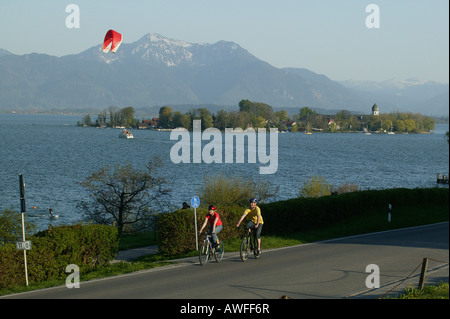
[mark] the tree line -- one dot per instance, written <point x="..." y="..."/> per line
<point x="112" y="117"/>
<point x="261" y="115"/>
<point x="250" y="114"/>
<point x="344" y="121"/>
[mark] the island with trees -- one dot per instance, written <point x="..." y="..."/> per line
<point x="261" y="115"/>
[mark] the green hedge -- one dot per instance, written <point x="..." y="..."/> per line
<point x="176" y="230"/>
<point x="302" y="214"/>
<point x="87" y="246"/>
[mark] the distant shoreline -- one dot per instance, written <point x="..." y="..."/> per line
<point x="443" y="120"/>
<point x="181" y="129"/>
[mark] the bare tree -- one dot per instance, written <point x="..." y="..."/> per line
<point x="124" y="195"/>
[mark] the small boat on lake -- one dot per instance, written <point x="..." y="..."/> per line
<point x="126" y="134"/>
<point x="308" y="129"/>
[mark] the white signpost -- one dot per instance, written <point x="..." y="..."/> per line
<point x="195" y="202"/>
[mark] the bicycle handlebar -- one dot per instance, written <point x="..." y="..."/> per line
<point x="207" y="234"/>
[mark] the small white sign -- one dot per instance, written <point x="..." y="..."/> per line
<point x="23" y="245"/>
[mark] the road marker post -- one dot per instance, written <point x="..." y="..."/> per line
<point x="423" y="273"/>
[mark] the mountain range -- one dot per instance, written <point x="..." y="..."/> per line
<point x="156" y="71"/>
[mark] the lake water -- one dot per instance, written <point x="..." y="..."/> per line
<point x="54" y="156"/>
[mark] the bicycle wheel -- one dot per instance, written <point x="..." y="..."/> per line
<point x="245" y="248"/>
<point x="204" y="254"/>
<point x="218" y="253"/>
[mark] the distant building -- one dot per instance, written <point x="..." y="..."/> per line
<point x="143" y="125"/>
<point x="147" y="123"/>
<point x="375" y="109"/>
<point x="289" y="124"/>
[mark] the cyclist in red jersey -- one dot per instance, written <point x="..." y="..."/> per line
<point x="215" y="224"/>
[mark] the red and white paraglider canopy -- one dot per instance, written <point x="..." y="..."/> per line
<point x="112" y="41"/>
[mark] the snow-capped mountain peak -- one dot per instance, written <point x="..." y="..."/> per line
<point x="152" y="48"/>
<point x="155" y="49"/>
<point x="158" y="39"/>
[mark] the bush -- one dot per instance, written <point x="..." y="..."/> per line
<point x="11" y="226"/>
<point x="87" y="246"/>
<point x="176" y="230"/>
<point x="228" y="191"/>
<point x="345" y="188"/>
<point x="315" y="187"/>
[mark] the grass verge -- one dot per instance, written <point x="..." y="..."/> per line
<point x="439" y="291"/>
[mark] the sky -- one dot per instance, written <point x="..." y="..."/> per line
<point x="339" y="38"/>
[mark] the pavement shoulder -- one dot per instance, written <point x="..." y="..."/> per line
<point x="131" y="254"/>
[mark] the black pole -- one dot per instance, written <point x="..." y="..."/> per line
<point x="22" y="194"/>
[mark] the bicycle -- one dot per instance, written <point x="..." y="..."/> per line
<point x="208" y="251"/>
<point x="249" y="243"/>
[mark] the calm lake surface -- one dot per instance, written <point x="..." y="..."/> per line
<point x="54" y="156"/>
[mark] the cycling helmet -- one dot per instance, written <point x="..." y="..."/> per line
<point x="253" y="200"/>
<point x="211" y="207"/>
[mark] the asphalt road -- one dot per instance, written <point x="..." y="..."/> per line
<point x="329" y="269"/>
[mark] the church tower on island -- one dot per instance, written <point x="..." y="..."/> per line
<point x="375" y="109"/>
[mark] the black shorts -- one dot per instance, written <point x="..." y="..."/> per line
<point x="252" y="225"/>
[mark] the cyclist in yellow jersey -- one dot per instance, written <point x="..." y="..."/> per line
<point x="256" y="221"/>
